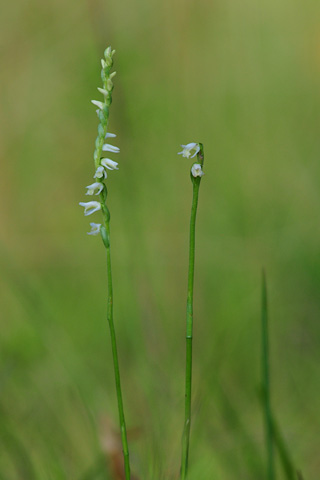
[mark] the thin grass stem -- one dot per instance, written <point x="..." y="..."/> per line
<point x="284" y="455"/>
<point x="266" y="383"/>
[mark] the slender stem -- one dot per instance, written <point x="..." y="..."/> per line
<point x="266" y="383"/>
<point x="103" y="114"/>
<point x="124" y="440"/>
<point x="284" y="454"/>
<point x="189" y="323"/>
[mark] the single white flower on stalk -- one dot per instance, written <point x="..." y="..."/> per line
<point x="98" y="104"/>
<point x="100" y="173"/>
<point x="90" y="207"/>
<point x="110" y="135"/>
<point x="95" y="188"/>
<point x="95" y="228"/>
<point x="110" y="148"/>
<point x="110" y="164"/>
<point x="186" y="152"/>
<point x="196" y="170"/>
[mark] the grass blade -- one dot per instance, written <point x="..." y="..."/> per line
<point x="266" y="383"/>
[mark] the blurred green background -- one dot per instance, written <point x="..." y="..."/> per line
<point x="244" y="79"/>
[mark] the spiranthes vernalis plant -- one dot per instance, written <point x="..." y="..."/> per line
<point x="191" y="150"/>
<point x="99" y="188"/>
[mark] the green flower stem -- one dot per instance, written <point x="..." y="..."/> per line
<point x="105" y="234"/>
<point x="106" y="240"/>
<point x="189" y="324"/>
<point x="266" y="383"/>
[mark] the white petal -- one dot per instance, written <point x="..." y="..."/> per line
<point x="103" y="91"/>
<point x="110" y="164"/>
<point x="95" y="228"/>
<point x="100" y="173"/>
<point x="197" y="151"/>
<point x="90" y="207"/>
<point x="98" y="104"/>
<point x="186" y="152"/>
<point x="110" y="148"/>
<point x="196" y="170"/>
<point x="110" y="135"/>
<point x="108" y="52"/>
<point x="94" y="188"/>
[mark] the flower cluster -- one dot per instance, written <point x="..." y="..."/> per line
<point x="102" y="164"/>
<point x="196" y="169"/>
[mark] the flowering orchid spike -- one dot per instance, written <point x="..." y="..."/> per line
<point x="110" y="148"/>
<point x="95" y="188"/>
<point x="186" y="152"/>
<point x="95" y="228"/>
<point x="110" y="135"/>
<point x="101" y="166"/>
<point x="110" y="164"/>
<point x="90" y="207"/>
<point x="100" y="173"/>
<point x="196" y="170"/>
<point x="98" y="104"/>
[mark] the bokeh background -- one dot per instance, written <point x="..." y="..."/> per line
<point x="244" y="79"/>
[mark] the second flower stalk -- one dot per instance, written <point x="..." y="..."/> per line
<point x="196" y="173"/>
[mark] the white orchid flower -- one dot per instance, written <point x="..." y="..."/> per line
<point x="90" y="207"/>
<point x="95" y="188"/>
<point x="186" y="152"/>
<point x="100" y="173"/>
<point x="103" y="91"/>
<point x="110" y="164"/>
<point x="108" y="53"/>
<point x="98" y="104"/>
<point x="196" y="170"/>
<point x="110" y="148"/>
<point x="95" y="228"/>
